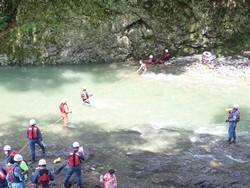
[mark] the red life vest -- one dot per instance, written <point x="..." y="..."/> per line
<point x="44" y="177"/>
<point x="12" y="177"/>
<point x="74" y="159"/>
<point x="32" y="132"/>
<point x="2" y="175"/>
<point x="62" y="109"/>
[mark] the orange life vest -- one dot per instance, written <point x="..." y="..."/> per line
<point x="44" y="177"/>
<point x="74" y="159"/>
<point x="32" y="132"/>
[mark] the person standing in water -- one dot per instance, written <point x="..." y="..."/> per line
<point x="233" y="119"/>
<point x="85" y="95"/>
<point x="109" y="179"/>
<point x="64" y="109"/>
<point x="144" y="64"/>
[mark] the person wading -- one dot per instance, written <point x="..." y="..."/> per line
<point x="42" y="176"/>
<point x="34" y="136"/>
<point x="233" y="119"/>
<point x="64" y="109"/>
<point x="85" y="95"/>
<point x="74" y="165"/>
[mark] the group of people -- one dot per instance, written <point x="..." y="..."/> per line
<point x="144" y="64"/>
<point x="15" y="170"/>
<point x="64" y="108"/>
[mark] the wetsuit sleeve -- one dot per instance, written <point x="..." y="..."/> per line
<point x="34" y="177"/>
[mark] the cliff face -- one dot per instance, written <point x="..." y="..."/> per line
<point x="82" y="31"/>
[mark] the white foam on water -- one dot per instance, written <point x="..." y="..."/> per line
<point x="211" y="129"/>
<point x="204" y="156"/>
<point x="237" y="160"/>
<point x="160" y="76"/>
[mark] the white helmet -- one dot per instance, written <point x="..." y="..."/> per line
<point x="32" y="122"/>
<point x="166" y="50"/>
<point x="18" y="158"/>
<point x="76" y="145"/>
<point x="7" y="148"/>
<point x="151" y="56"/>
<point x="42" y="162"/>
<point x="236" y="106"/>
<point x="64" y="100"/>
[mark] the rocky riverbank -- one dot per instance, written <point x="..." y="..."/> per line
<point x="230" y="67"/>
<point x="196" y="161"/>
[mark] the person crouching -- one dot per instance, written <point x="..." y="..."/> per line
<point x="42" y="176"/>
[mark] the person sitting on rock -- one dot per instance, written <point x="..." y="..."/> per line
<point x="166" y="56"/>
<point x="42" y="175"/>
<point x="145" y="63"/>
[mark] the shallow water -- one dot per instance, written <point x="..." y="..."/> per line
<point x="122" y="100"/>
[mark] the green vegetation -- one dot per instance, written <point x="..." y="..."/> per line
<point x="88" y="30"/>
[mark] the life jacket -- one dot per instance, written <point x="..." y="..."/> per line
<point x="62" y="108"/>
<point x="74" y="159"/>
<point x="43" y="177"/>
<point x="10" y="158"/>
<point x="32" y="132"/>
<point x="11" y="174"/>
<point x="2" y="175"/>
<point x="109" y="181"/>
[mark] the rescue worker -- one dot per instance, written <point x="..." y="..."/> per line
<point x="109" y="179"/>
<point x="9" y="154"/>
<point x="42" y="176"/>
<point x="164" y="57"/>
<point x="15" y="177"/>
<point x="233" y="119"/>
<point x="85" y="96"/>
<point x="35" y="137"/>
<point x="3" y="181"/>
<point x="64" y="109"/>
<point x="145" y="63"/>
<point x="10" y="160"/>
<point x="74" y="165"/>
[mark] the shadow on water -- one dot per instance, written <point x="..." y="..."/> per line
<point x="186" y="165"/>
<point x="40" y="78"/>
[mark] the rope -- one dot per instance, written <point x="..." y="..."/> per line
<point x="27" y="143"/>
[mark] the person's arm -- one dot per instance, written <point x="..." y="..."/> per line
<point x="18" y="173"/>
<point x="35" y="176"/>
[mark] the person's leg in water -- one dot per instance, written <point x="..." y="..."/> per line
<point x="65" y="119"/>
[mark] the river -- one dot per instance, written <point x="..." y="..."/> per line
<point x="130" y="116"/>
